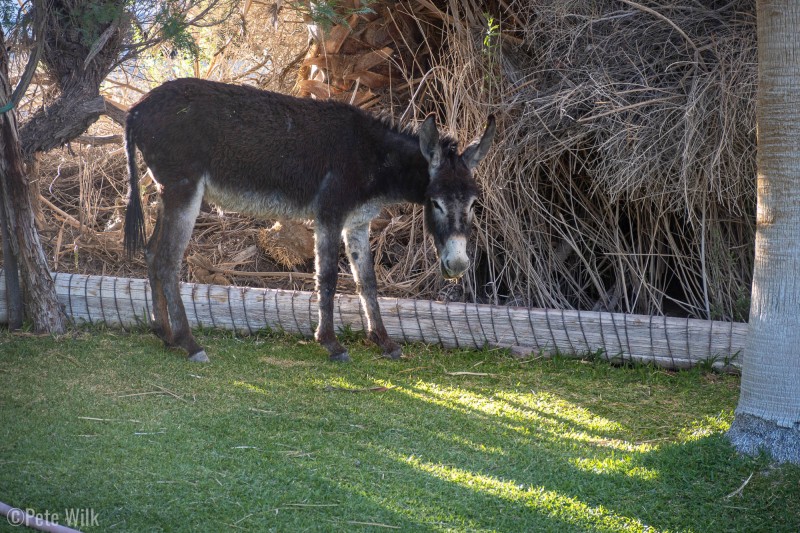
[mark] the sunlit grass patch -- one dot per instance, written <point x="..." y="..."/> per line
<point x="615" y="465"/>
<point x="466" y="443"/>
<point x="547" y="502"/>
<point x="707" y="426"/>
<point x="250" y="387"/>
<point x="544" y="413"/>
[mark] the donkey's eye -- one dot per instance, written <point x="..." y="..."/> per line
<point x="437" y="206"/>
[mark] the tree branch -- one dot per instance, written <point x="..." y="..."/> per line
<point x="115" y="111"/>
<point x="99" y="140"/>
<point x="66" y="118"/>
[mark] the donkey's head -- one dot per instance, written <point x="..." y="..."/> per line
<point x="451" y="193"/>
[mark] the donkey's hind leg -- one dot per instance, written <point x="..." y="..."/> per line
<point x="356" y="240"/>
<point x="160" y="323"/>
<point x="176" y="221"/>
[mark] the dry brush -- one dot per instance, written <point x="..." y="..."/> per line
<point x="622" y="178"/>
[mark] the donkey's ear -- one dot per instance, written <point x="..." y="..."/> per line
<point x="429" y="141"/>
<point x="476" y="151"/>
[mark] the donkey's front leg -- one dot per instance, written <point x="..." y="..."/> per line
<point x="327" y="239"/>
<point x="356" y="240"/>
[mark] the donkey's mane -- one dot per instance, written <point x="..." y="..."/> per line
<point x="409" y="131"/>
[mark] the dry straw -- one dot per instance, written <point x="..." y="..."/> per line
<point x="622" y="177"/>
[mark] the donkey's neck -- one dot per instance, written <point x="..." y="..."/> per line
<point x="402" y="173"/>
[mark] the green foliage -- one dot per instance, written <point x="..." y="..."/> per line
<point x="271" y="436"/>
<point x="84" y="19"/>
<point x="491" y="50"/>
<point x="741" y="307"/>
<point x="491" y="34"/>
<point x="740" y="311"/>
<point x="328" y="13"/>
<point x="91" y="18"/>
<point x="175" y="29"/>
<point x="346" y="334"/>
<point x="191" y="42"/>
<point x="9" y="13"/>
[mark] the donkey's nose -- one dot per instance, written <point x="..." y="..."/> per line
<point x="454" y="268"/>
<point x="454" y="258"/>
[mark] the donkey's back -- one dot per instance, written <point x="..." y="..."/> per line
<point x="256" y="151"/>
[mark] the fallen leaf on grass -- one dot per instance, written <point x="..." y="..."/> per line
<point x="331" y="388"/>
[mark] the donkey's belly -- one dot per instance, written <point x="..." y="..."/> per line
<point x="268" y="204"/>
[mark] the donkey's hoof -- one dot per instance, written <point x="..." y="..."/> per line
<point x="343" y="357"/>
<point x="200" y="357"/>
<point x="395" y="353"/>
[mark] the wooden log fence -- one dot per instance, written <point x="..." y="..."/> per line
<point x="664" y="341"/>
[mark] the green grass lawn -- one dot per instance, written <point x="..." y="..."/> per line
<point x="269" y="436"/>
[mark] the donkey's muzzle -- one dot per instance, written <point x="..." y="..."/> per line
<point x="454" y="260"/>
<point x="450" y="273"/>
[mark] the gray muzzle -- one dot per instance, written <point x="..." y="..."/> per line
<point x="454" y="259"/>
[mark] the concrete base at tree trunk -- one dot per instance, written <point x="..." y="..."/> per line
<point x="750" y="435"/>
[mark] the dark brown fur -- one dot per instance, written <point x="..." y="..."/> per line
<point x="269" y="154"/>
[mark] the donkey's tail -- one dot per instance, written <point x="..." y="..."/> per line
<point x="134" y="236"/>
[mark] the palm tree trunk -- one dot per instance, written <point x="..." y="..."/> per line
<point x="768" y="414"/>
<point x="369" y="58"/>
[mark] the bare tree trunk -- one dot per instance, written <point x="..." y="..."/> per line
<point x="41" y="301"/>
<point x="768" y="414"/>
<point x="13" y="291"/>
